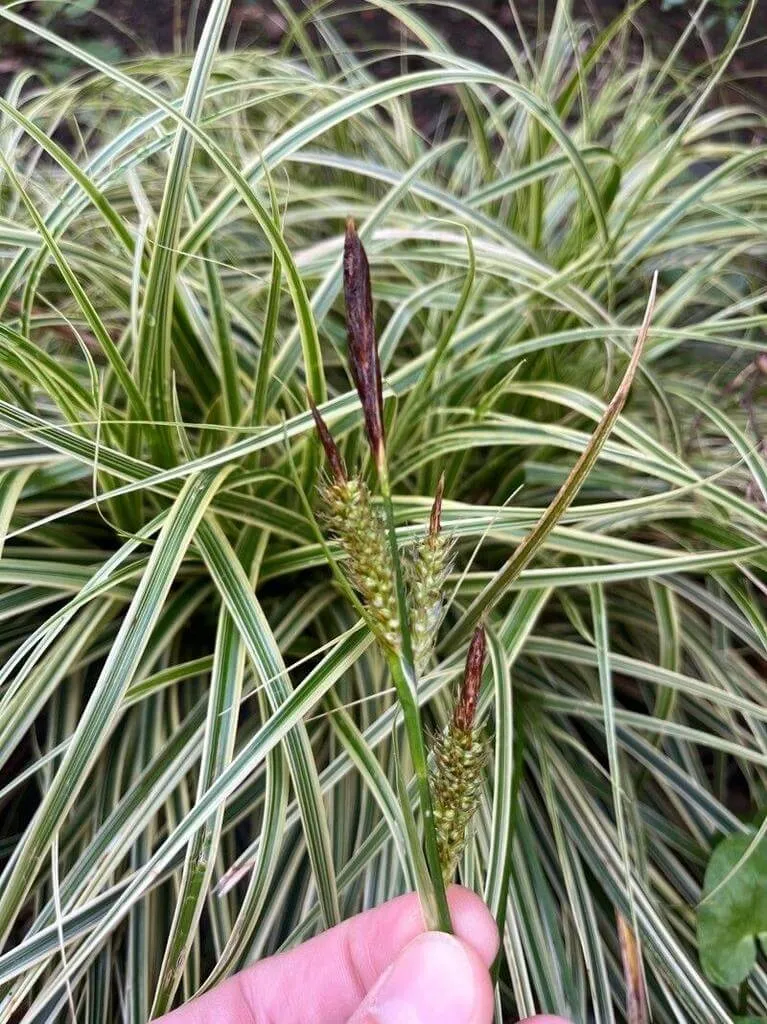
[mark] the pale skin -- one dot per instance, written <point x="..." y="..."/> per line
<point x="380" y="967"/>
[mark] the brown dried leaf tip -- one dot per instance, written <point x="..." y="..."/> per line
<point x="333" y="455"/>
<point x="466" y="705"/>
<point x="363" y="350"/>
<point x="636" y="997"/>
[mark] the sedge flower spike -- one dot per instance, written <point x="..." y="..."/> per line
<point x="460" y="754"/>
<point x="426" y="571"/>
<point x="363" y="350"/>
<point x="353" y="519"/>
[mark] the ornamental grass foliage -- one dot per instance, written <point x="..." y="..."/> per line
<point x="235" y="705"/>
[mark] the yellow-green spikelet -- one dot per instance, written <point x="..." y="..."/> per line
<point x="460" y="753"/>
<point x="426" y="571"/>
<point x="459" y="758"/>
<point x="354" y="521"/>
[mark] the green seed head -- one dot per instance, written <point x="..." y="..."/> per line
<point x="352" y="518"/>
<point x="460" y="754"/>
<point x="426" y="570"/>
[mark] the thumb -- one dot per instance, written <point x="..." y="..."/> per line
<point x="436" y="979"/>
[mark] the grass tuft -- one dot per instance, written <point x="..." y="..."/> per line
<point x="201" y="751"/>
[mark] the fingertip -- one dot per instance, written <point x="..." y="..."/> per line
<point x="436" y="979"/>
<point x="484" y="1010"/>
<point x="473" y="923"/>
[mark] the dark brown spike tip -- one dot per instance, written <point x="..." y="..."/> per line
<point x="435" y="520"/>
<point x="363" y="350"/>
<point x="332" y="453"/>
<point x="466" y="706"/>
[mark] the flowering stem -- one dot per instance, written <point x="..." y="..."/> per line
<point x="403" y="674"/>
<point x="365" y="366"/>
<point x="404" y="680"/>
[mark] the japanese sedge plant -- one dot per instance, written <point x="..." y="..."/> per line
<point x="199" y="727"/>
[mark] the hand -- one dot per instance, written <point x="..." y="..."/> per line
<point x="377" y="968"/>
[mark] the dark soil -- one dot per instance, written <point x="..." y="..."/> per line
<point x="134" y="26"/>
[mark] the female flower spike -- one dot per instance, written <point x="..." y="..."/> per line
<point x="460" y="752"/>
<point x="354" y="520"/>
<point x="426" y="572"/>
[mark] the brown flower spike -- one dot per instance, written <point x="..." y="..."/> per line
<point x="363" y="350"/>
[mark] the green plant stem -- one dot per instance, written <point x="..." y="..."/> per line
<point x="404" y="680"/>
<point x="403" y="673"/>
<point x="436" y="909"/>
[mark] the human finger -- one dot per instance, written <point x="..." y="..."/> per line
<point x="324" y="980"/>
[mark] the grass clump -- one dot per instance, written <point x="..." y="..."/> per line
<point x="198" y="727"/>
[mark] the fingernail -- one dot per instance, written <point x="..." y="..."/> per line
<point x="433" y="981"/>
